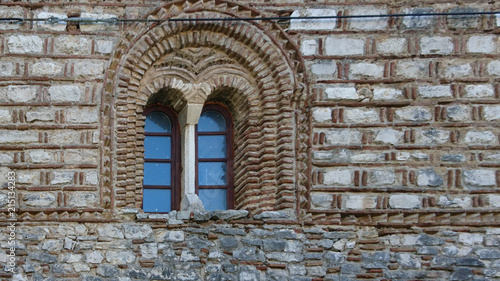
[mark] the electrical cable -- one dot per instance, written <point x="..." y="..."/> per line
<point x="117" y="20"/>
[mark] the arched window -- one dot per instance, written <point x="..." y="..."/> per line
<point x="214" y="158"/>
<point x="161" y="161"/>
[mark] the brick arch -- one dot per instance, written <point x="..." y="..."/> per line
<point x="266" y="75"/>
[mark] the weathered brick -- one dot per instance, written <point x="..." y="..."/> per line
<point x="343" y="137"/>
<point x="324" y="69"/>
<point x="456" y="202"/>
<point x="368" y="157"/>
<point x="11" y="12"/>
<point x="309" y="47"/>
<point x="313" y="24"/>
<point x="480" y="138"/>
<point x="429" y="177"/>
<point x="458" y="113"/>
<point x="456" y="69"/>
<point x="104" y="46"/>
<point x="432" y="136"/>
<point x="344" y="46"/>
<point x="63" y="177"/>
<point x="82" y="115"/>
<point x="41" y="114"/>
<point x="470" y="239"/>
<point x="368" y="24"/>
<point x="40" y="156"/>
<point x="28" y="177"/>
<point x="321" y="201"/>
<point x="359" y="201"/>
<point x="493" y="200"/>
<point x="418" y="22"/>
<point x="364" y="70"/>
<point x="51" y="25"/>
<point x="6" y="68"/>
<point x="436" y="45"/>
<point x="322" y="114"/>
<point x="18" y="93"/>
<point x="81" y="156"/>
<point x="342" y="93"/>
<point x="389" y="136"/>
<point x="338" y="177"/>
<point x="17" y="137"/>
<point x="392" y="46"/>
<point x="24" y="44"/>
<point x="45" y="199"/>
<point x="413" y="114"/>
<point x="98" y="26"/>
<point x="89" y="69"/>
<point x="361" y="115"/>
<point x="47" y="68"/>
<point x="484" y="44"/>
<point x="479" y="91"/>
<point x="412" y="69"/>
<point x="492" y="113"/>
<point x="463" y="21"/>
<point x="434" y="92"/>
<point x="92" y="177"/>
<point x="382" y="177"/>
<point x="71" y="44"/>
<point x="120" y="256"/>
<point x="66" y="137"/>
<point x="479" y="177"/>
<point x="5" y="116"/>
<point x="387" y="94"/>
<point x="64" y="93"/>
<point x="493" y="67"/>
<point x="81" y="199"/>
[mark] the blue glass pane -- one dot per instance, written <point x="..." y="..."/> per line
<point x="157" y="122"/>
<point x="211" y="173"/>
<point x="157" y="173"/>
<point x="212" y="146"/>
<point x="157" y="147"/>
<point x="211" y="121"/>
<point x="213" y="199"/>
<point x="157" y="200"/>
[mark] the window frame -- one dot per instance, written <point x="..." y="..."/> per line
<point x="175" y="158"/>
<point x="229" y="152"/>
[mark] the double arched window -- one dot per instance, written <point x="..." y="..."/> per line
<point x="162" y="161"/>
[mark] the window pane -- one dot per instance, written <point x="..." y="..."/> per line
<point x="211" y="121"/>
<point x="157" y="122"/>
<point x="157" y="173"/>
<point x="213" y="199"/>
<point x="212" y="146"/>
<point x="211" y="173"/>
<point x="157" y="200"/>
<point x="157" y="147"/>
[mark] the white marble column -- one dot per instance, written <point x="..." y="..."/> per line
<point x="188" y="119"/>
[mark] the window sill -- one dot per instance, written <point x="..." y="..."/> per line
<point x="184" y="217"/>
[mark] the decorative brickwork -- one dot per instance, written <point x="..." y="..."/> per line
<point x="244" y="66"/>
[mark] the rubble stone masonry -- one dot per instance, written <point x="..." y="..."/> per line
<point x="365" y="148"/>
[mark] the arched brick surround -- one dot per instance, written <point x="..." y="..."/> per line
<point x="254" y="68"/>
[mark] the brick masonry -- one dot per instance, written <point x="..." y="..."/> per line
<point x="365" y="148"/>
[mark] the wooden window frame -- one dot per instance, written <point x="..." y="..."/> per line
<point x="229" y="152"/>
<point x="175" y="159"/>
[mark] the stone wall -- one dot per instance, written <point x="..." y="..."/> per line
<point x="367" y="148"/>
<point x="267" y="247"/>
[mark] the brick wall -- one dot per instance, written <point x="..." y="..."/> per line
<point x="366" y="148"/>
